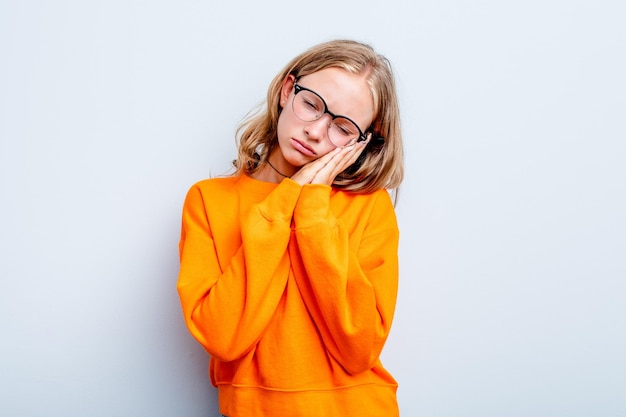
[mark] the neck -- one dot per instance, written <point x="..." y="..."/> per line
<point x="275" y="169"/>
<point x="272" y="170"/>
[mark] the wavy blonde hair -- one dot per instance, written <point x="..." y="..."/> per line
<point x="381" y="163"/>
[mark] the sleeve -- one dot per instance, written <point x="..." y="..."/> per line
<point x="351" y="283"/>
<point x="227" y="309"/>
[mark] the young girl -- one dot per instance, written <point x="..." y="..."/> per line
<point x="289" y="267"/>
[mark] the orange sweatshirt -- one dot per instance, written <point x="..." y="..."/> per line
<point x="291" y="289"/>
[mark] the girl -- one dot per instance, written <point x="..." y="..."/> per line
<point x="289" y="267"/>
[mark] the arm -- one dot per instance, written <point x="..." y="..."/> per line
<point x="228" y="306"/>
<point x="350" y="285"/>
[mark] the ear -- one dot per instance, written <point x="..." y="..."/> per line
<point x="286" y="89"/>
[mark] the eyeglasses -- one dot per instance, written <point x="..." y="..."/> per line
<point x="309" y="106"/>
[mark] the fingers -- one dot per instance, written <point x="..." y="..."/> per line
<point x="324" y="169"/>
<point x="306" y="174"/>
<point x="338" y="162"/>
<point x="349" y="155"/>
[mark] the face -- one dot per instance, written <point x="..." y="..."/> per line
<point x="344" y="93"/>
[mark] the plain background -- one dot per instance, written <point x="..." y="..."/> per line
<point x="512" y="215"/>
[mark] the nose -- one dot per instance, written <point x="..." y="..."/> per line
<point x="318" y="129"/>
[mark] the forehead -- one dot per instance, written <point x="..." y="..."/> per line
<point x="345" y="93"/>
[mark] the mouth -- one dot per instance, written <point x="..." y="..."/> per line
<point x="303" y="147"/>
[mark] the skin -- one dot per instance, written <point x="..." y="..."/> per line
<point x="305" y="153"/>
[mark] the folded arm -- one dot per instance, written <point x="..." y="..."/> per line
<point x="227" y="307"/>
<point x="350" y="285"/>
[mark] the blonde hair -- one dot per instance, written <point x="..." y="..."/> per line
<point x="381" y="163"/>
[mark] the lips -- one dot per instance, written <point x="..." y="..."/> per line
<point x="303" y="148"/>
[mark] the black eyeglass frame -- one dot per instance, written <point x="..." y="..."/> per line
<point x="298" y="88"/>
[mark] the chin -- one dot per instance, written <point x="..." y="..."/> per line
<point x="297" y="160"/>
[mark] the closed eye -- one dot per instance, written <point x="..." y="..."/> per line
<point x="345" y="127"/>
<point x="311" y="104"/>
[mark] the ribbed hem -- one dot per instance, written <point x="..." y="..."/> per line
<point x="370" y="400"/>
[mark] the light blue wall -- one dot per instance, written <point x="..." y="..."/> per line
<point x="512" y="213"/>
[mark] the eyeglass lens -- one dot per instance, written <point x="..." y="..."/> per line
<point x="309" y="107"/>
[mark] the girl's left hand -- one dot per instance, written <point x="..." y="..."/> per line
<point x="324" y="170"/>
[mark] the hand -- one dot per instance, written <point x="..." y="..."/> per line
<point x="324" y="170"/>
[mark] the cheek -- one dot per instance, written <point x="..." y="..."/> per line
<point x="327" y="147"/>
<point x="284" y="126"/>
<point x="289" y="126"/>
